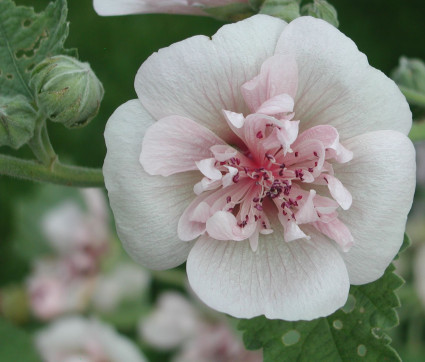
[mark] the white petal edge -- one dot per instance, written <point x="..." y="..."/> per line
<point x="146" y="208"/>
<point x="301" y="280"/>
<point x="199" y="77"/>
<point x="126" y="7"/>
<point x="381" y="180"/>
<point x="337" y="86"/>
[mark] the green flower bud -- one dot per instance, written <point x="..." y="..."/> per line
<point x="67" y="91"/>
<point x="321" y="9"/>
<point x="17" y="121"/>
<point x="410" y="74"/>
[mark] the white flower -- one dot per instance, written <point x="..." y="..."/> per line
<point x="123" y="7"/>
<point x="126" y="282"/>
<point x="275" y="160"/>
<point x="73" y="339"/>
<point x="81" y="237"/>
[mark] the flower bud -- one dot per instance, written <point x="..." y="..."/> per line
<point x="410" y="74"/>
<point x="287" y="10"/>
<point x="321" y="9"/>
<point x="17" y="121"/>
<point x="67" y="91"/>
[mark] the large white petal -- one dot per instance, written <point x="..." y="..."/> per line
<point x="199" y="77"/>
<point x="146" y="208"/>
<point x="381" y="179"/>
<point x="305" y="279"/>
<point x="337" y="86"/>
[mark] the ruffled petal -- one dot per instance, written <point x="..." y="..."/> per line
<point x="146" y="208"/>
<point x="290" y="281"/>
<point x="199" y="77"/>
<point x="381" y="179"/>
<point x="174" y="144"/>
<point x="278" y="75"/>
<point x="336" y="84"/>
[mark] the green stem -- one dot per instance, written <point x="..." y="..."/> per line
<point x="40" y="144"/>
<point x="413" y="97"/>
<point x="56" y="172"/>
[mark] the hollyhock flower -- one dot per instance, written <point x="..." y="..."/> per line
<point x="173" y="321"/>
<point x="80" y="237"/>
<point x="273" y="158"/>
<point x="124" y="7"/>
<point x="55" y="289"/>
<point x="176" y="323"/>
<point x="79" y="339"/>
<point x="125" y="282"/>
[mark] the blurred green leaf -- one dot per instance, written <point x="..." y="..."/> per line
<point x="16" y="344"/>
<point x="321" y="9"/>
<point x="230" y="12"/>
<point x="287" y="10"/>
<point x="353" y="333"/>
<point x="26" y="38"/>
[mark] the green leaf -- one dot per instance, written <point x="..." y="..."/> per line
<point x="287" y="10"/>
<point x="353" y="333"/>
<point x="16" y="345"/>
<point x="321" y="9"/>
<point x="17" y="121"/>
<point x="26" y="38"/>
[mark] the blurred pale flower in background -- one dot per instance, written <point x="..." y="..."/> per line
<point x="64" y="281"/>
<point x="176" y="323"/>
<point x="126" y="281"/>
<point x="80" y="237"/>
<point x="54" y="289"/>
<point x="75" y="339"/>
<point x="123" y="7"/>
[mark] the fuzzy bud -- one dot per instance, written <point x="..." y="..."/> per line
<point x="66" y="90"/>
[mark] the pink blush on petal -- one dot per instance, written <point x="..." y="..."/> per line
<point x="274" y="170"/>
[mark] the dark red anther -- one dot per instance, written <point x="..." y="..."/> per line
<point x="326" y="179"/>
<point x="258" y="207"/>
<point x="281" y="173"/>
<point x="296" y="154"/>
<point x="310" y="169"/>
<point x="238" y="161"/>
<point x="315" y="153"/>
<point x="259" y="134"/>
<point x="282" y="165"/>
<point x="235" y="178"/>
<point x="228" y="199"/>
<point x="255" y="199"/>
<point x="299" y="197"/>
<point x="255" y="217"/>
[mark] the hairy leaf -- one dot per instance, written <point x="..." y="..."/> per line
<point x="26" y="38"/>
<point x="353" y="333"/>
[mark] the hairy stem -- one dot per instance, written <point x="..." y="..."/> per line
<point x="55" y="172"/>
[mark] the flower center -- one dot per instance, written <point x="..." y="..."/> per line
<point x="273" y="169"/>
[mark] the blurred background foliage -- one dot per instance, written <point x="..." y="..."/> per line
<point x="116" y="46"/>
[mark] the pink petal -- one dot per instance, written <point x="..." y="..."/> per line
<point x="336" y="230"/>
<point x="281" y="103"/>
<point x="224" y="226"/>
<point x="278" y="75"/>
<point x="339" y="192"/>
<point x="207" y="167"/>
<point x="174" y="144"/>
